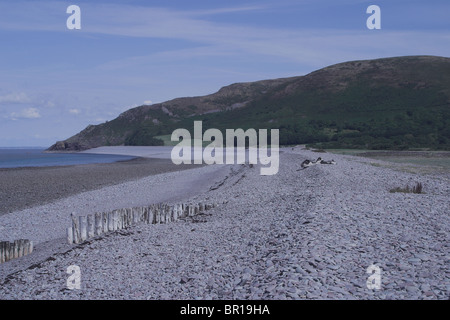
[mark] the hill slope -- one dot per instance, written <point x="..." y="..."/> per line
<point x="391" y="103"/>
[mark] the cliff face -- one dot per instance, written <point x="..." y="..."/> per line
<point x="372" y="100"/>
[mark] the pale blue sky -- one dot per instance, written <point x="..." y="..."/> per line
<point x="55" y="81"/>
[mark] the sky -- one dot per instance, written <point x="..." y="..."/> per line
<point x="55" y="81"/>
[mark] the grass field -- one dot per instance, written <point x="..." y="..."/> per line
<point x="421" y="161"/>
<point x="349" y="152"/>
<point x="413" y="161"/>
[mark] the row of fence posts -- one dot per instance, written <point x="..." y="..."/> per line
<point x="16" y="249"/>
<point x="86" y="227"/>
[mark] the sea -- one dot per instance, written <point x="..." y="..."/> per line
<point x="36" y="157"/>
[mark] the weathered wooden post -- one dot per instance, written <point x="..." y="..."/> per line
<point x="125" y="218"/>
<point x="70" y="235"/>
<point x="157" y="215"/>
<point x="119" y="220"/>
<point x="30" y="247"/>
<point x="165" y="213"/>
<point x="113" y="221"/>
<point x="20" y="248"/>
<point x="26" y="247"/>
<point x="98" y="223"/>
<point x="128" y="217"/>
<point x="110" y="221"/>
<point x="138" y="215"/>
<point x="162" y="211"/>
<point x="151" y="215"/>
<point x="8" y="248"/>
<point x="2" y="251"/>
<point x="16" y="249"/>
<point x="83" y="228"/>
<point x="105" y="222"/>
<point x="145" y="215"/>
<point x="170" y="210"/>
<point x="122" y="224"/>
<point x="90" y="226"/>
<point x="115" y="215"/>
<point x="134" y="215"/>
<point x="181" y="210"/>
<point x="75" y="229"/>
<point x="175" y="212"/>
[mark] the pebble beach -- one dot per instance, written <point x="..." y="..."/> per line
<point x="300" y="234"/>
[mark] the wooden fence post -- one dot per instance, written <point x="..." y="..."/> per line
<point x="90" y="226"/>
<point x="151" y="215"/>
<point x="70" y="235"/>
<point x="115" y="216"/>
<point x="98" y="223"/>
<point x="86" y="227"/>
<point x="2" y="251"/>
<point x="83" y="228"/>
<point x="75" y="229"/>
<point x="16" y="249"/>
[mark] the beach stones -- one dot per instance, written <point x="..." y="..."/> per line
<point x="255" y="245"/>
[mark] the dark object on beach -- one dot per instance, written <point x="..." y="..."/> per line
<point x="416" y="189"/>
<point x="308" y="163"/>
<point x="327" y="162"/>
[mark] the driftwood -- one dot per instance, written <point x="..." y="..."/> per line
<point x="308" y="163"/>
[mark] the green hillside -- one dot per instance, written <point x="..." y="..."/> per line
<point x="393" y="103"/>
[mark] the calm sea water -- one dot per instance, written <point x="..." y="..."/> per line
<point x="14" y="158"/>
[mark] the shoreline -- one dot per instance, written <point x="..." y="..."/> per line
<point x="26" y="187"/>
<point x="69" y="165"/>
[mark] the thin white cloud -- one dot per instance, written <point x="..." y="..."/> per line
<point x="228" y="10"/>
<point x="74" y="111"/>
<point x="28" y="113"/>
<point x="49" y="104"/>
<point x="16" y="97"/>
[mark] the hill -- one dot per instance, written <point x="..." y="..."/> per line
<point x="391" y="103"/>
